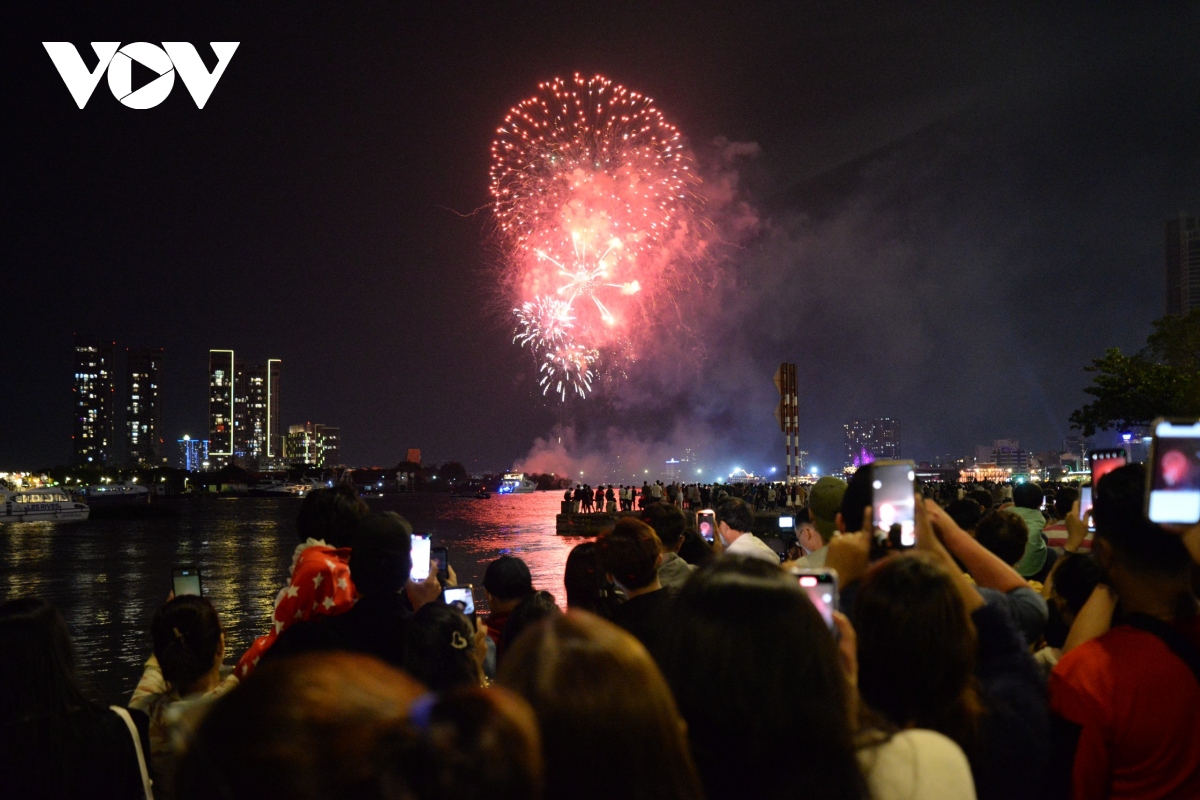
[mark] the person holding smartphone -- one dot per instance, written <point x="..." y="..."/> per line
<point x="735" y="521"/>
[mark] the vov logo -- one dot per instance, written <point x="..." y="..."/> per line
<point x="118" y="61"/>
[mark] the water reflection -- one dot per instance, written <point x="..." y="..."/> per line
<point x="108" y="577"/>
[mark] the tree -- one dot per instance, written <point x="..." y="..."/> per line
<point x="1163" y="380"/>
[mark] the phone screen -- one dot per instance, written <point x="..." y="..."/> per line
<point x="1105" y="461"/>
<point x="787" y="523"/>
<point x="892" y="501"/>
<point x="462" y="597"/>
<point x="420" y="557"/>
<point x="440" y="557"/>
<point x="821" y="587"/>
<point x="706" y="524"/>
<point x="1085" y="504"/>
<point x="1174" y="480"/>
<point x="185" y="580"/>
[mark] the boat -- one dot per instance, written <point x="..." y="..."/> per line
<point x="47" y="504"/>
<point x="516" y="483"/>
<point x="283" y="489"/>
<point x="114" y="494"/>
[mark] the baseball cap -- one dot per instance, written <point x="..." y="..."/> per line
<point x="824" y="503"/>
<point x="508" y="578"/>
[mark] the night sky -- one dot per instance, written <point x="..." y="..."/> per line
<point x="953" y="209"/>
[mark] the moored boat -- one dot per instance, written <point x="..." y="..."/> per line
<point x="516" y="483"/>
<point x="46" y="504"/>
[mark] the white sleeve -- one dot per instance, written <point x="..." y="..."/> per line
<point x="917" y="765"/>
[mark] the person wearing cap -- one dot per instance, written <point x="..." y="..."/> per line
<point x="824" y="504"/>
<point x="506" y="582"/>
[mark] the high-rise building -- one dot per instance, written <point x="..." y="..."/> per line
<point x="143" y="406"/>
<point x="193" y="454"/>
<point x="94" y="402"/>
<point x="870" y="440"/>
<point x="313" y="443"/>
<point x="243" y="410"/>
<point x="1183" y="263"/>
<point x="222" y="402"/>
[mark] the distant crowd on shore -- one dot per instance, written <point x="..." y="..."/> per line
<point x="611" y="498"/>
<point x="1012" y="653"/>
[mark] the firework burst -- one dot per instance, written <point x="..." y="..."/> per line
<point x="590" y="185"/>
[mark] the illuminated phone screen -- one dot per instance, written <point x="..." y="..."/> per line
<point x="420" y="558"/>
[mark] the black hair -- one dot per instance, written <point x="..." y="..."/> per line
<point x="695" y="550"/>
<point x="187" y="636"/>
<point x="1063" y="501"/>
<point x="1075" y="579"/>
<point x="331" y="515"/>
<point x="439" y="648"/>
<point x="966" y="513"/>
<point x="983" y="497"/>
<point x="630" y="553"/>
<point x="741" y="616"/>
<point x="1028" y="494"/>
<point x="857" y="497"/>
<point x="1004" y="534"/>
<point x="1118" y="511"/>
<point x="668" y="521"/>
<point x="381" y="560"/>
<point x="587" y="588"/>
<point x="735" y="513"/>
<point x="530" y="611"/>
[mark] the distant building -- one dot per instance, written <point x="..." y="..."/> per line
<point x="143" y="406"/>
<point x="673" y="469"/>
<point x="414" y="455"/>
<point x="193" y="454"/>
<point x="313" y="443"/>
<point x="94" y="392"/>
<point x="243" y="410"/>
<point x="870" y="440"/>
<point x="1004" y="454"/>
<point x="1183" y="263"/>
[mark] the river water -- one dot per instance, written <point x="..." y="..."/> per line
<point x="108" y="577"/>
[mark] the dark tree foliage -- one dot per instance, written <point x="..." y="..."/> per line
<point x="1163" y="380"/>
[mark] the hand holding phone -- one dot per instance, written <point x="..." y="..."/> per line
<point x="1105" y="461"/>
<point x="441" y="556"/>
<point x="1173" y="480"/>
<point x="1085" y="506"/>
<point x="821" y="586"/>
<point x="706" y="524"/>
<point x="463" y="598"/>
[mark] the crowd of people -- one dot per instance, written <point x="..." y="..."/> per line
<point x="1011" y="653"/>
<point x="584" y="499"/>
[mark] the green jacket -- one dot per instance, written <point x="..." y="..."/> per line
<point x="1035" y="549"/>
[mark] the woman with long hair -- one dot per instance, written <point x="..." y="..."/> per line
<point x="608" y="723"/>
<point x="54" y="741"/>
<point x="771" y="702"/>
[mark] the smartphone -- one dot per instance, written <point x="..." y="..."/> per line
<point x="1085" y="504"/>
<point x="463" y="597"/>
<point x="1105" y="461"/>
<point x="186" y="580"/>
<point x="441" y="557"/>
<point x="893" y="503"/>
<point x="706" y="524"/>
<point x="420" y="557"/>
<point x="1173" y="480"/>
<point x="821" y="586"/>
<point x="787" y="523"/>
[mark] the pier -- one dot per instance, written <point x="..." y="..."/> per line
<point x="566" y="523"/>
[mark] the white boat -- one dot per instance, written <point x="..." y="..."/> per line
<point x="516" y="483"/>
<point x="48" y="504"/>
<point x="282" y="489"/>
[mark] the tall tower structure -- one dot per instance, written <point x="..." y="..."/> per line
<point x="870" y="440"/>
<point x="94" y="396"/>
<point x="143" y="406"/>
<point x="1183" y="263"/>
<point x="222" y="402"/>
<point x="244" y="410"/>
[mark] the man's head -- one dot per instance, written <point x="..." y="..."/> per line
<point x="1066" y="497"/>
<point x="1126" y="542"/>
<point x="630" y="553"/>
<point x="855" y="500"/>
<point x="668" y="522"/>
<point x="1028" y="495"/>
<point x="734" y="518"/>
<point x="1071" y="583"/>
<point x="983" y="497"/>
<point x="824" y="503"/>
<point x="381" y="560"/>
<point x="1004" y="534"/>
<point x="966" y="513"/>
<point x="507" y="582"/>
<point x="331" y="515"/>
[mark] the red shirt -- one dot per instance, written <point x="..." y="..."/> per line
<point x="1138" y="707"/>
<point x="1056" y="534"/>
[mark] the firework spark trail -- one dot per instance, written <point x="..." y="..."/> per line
<point x="590" y="184"/>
